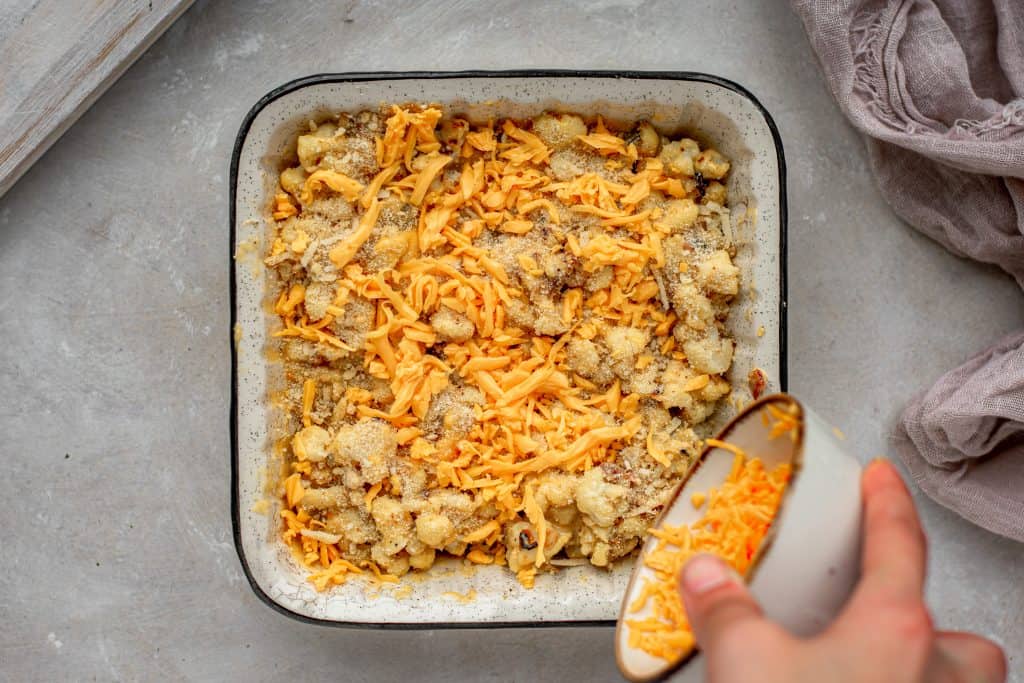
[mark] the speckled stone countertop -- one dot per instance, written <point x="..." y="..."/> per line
<point x="116" y="558"/>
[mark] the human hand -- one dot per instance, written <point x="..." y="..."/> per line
<point x="883" y="635"/>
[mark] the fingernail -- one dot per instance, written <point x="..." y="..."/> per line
<point x="880" y="467"/>
<point x="704" y="573"/>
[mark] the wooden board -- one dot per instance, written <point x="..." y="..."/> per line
<point x="57" y="57"/>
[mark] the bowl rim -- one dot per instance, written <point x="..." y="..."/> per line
<point x="369" y="76"/>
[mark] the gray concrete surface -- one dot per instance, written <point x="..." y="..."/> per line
<point x="116" y="558"/>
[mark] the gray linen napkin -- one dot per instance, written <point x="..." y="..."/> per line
<point x="937" y="88"/>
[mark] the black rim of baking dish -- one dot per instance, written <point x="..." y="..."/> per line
<point x="318" y="79"/>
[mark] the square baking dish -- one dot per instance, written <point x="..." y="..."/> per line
<point x="713" y="110"/>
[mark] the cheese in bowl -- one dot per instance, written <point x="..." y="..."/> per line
<point x="498" y="341"/>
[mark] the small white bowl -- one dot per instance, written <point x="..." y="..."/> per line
<point x="806" y="567"/>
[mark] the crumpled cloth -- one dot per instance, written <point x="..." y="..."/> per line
<point x="937" y="88"/>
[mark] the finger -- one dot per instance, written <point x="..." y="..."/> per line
<point x="715" y="598"/>
<point x="966" y="657"/>
<point x="894" y="554"/>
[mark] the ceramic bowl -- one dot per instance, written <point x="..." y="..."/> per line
<point x="719" y="112"/>
<point x="806" y="567"/>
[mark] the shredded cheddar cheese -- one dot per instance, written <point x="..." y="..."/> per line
<point x="283" y="207"/>
<point x="338" y="182"/>
<point x="470" y="335"/>
<point x="738" y="516"/>
<point x="308" y="396"/>
<point x="343" y="253"/>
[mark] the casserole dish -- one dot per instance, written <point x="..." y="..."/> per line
<point x="713" y="110"/>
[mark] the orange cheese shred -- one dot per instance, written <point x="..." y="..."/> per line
<point x="339" y="182"/>
<point x="346" y="250"/>
<point x="425" y="177"/>
<point x="308" y="396"/>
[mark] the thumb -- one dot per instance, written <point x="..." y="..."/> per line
<point x="716" y="599"/>
<point x="966" y="657"/>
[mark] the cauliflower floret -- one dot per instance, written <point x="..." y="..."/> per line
<point x="319" y="296"/>
<point x="352" y="156"/>
<point x="567" y="164"/>
<point x="600" y="500"/>
<point x="559" y="131"/>
<point x="303" y="351"/>
<point x="648" y="142"/>
<point x="554" y="489"/>
<point x="699" y="401"/>
<point x="628" y="536"/>
<point x="452" y="503"/>
<point x="711" y="164"/>
<point x="351" y="524"/>
<point x="555" y="266"/>
<point x="369" y="444"/>
<point x="674" y="380"/>
<point x="293" y="179"/>
<point x="389" y="250"/>
<point x="434" y="529"/>
<point x="717" y="274"/>
<point x="584" y="358"/>
<point x="325" y="498"/>
<point x="695" y="309"/>
<point x="642" y="381"/>
<point x="451" y="325"/>
<point x="715" y="389"/>
<point x="678" y="157"/>
<point x="460" y="416"/>
<point x="700" y="411"/>
<point x="711" y="355"/>
<point x="520" y="314"/>
<point x="394" y="524"/>
<point x="600" y="279"/>
<point x="423" y="560"/>
<point x="678" y="251"/>
<point x="715" y="192"/>
<point x="396" y="565"/>
<point x="680" y="214"/>
<point x="624" y="344"/>
<point x="413" y="485"/>
<point x="397" y="217"/>
<point x="548" y="318"/>
<point x="312" y="147"/>
<point x="380" y="390"/>
<point x="451" y="416"/>
<point x="356" y="320"/>
<point x="311" y="443"/>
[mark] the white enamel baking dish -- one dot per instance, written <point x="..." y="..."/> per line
<point x="719" y="112"/>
